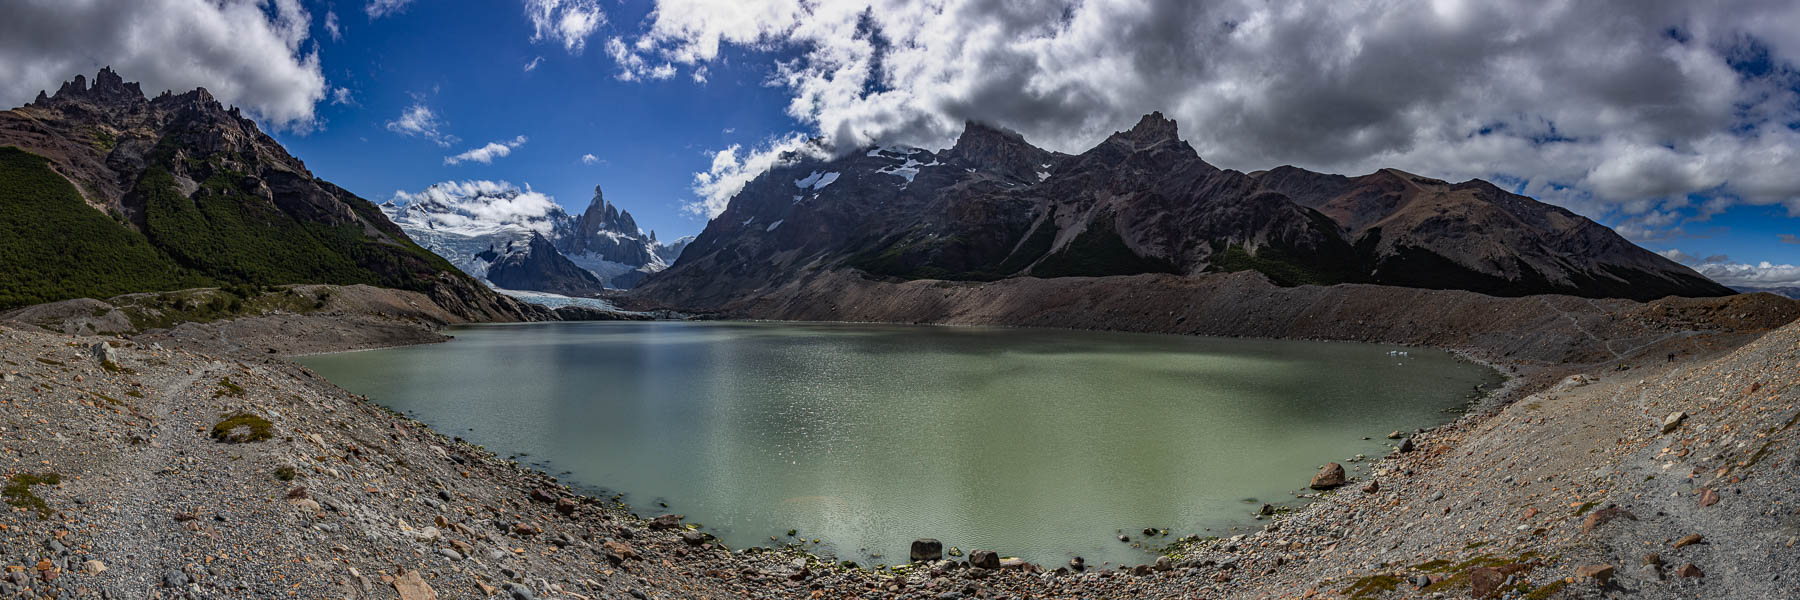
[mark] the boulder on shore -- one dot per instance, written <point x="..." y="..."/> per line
<point x="926" y="550"/>
<point x="1329" y="477"/>
<point x="984" y="559"/>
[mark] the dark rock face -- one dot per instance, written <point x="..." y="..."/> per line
<point x="538" y="266"/>
<point x="610" y="234"/>
<point x="224" y="200"/>
<point x="1142" y="201"/>
<point x="926" y="550"/>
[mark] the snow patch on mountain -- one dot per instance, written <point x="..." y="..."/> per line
<point x="817" y="180"/>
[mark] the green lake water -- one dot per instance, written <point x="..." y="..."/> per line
<point x="1042" y="444"/>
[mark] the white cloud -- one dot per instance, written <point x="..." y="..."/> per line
<point x="733" y="168"/>
<point x="1722" y="269"/>
<point x="477" y="206"/>
<point x="249" y="53"/>
<point x="381" y="8"/>
<point x="533" y="65"/>
<point x="419" y="121"/>
<point x="342" y="96"/>
<point x="1618" y="107"/>
<point x="486" y="154"/>
<point x="589" y="159"/>
<point x="568" y="22"/>
<point x="332" y="27"/>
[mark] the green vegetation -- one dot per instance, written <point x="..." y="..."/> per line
<point x="57" y="247"/>
<point x="239" y="238"/>
<point x="242" y="427"/>
<point x="1282" y="267"/>
<point x="1097" y="252"/>
<point x="1372" y="586"/>
<point x="18" y="492"/>
<point x="227" y="388"/>
<point x="285" y="473"/>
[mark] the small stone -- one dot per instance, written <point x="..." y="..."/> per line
<point x="174" y="579"/>
<point x="1603" y="516"/>
<point x="1077" y="563"/>
<point x="1406" y="445"/>
<point x="1708" y="497"/>
<point x="693" y="538"/>
<point x="93" y="567"/>
<point x="1600" y="573"/>
<point x="1328" y="477"/>
<point x="543" y="496"/>
<point x="985" y="559"/>
<point x="926" y="550"/>
<point x="1673" y="421"/>
<point x="450" y="554"/>
<point x="1164" y="563"/>
<point x="1653" y="560"/>
<point x="1372" y="487"/>
<point x="1483" y="581"/>
<point x="1688" y="540"/>
<point x="1123" y="538"/>
<point x="618" y="552"/>
<point x="1689" y="570"/>
<point x="1266" y="510"/>
<point x="565" y="506"/>
<point x="665" y="522"/>
<point x="1395" y="435"/>
<point x="307" y="505"/>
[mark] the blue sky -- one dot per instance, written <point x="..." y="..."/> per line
<point x="1676" y="123"/>
<point x="465" y="61"/>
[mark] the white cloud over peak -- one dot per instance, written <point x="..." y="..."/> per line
<point x="419" y="121"/>
<point x="270" y="70"/>
<point x="486" y="154"/>
<point x="476" y="207"/>
<point x="567" y="22"/>
<point x="1616" y="108"/>
<point x="734" y="167"/>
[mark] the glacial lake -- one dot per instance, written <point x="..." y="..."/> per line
<point x="1037" y="443"/>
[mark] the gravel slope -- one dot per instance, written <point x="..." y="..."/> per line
<point x="378" y="503"/>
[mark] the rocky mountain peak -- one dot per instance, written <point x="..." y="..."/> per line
<point x="998" y="150"/>
<point x="1154" y="127"/>
<point x="108" y="89"/>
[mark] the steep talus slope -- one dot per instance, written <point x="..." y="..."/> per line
<point x="1143" y="201"/>
<point x="214" y="199"/>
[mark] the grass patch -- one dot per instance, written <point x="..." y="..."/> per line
<point x="49" y="362"/>
<point x="1546" y="591"/>
<point x="18" y="492"/>
<point x="1372" y="586"/>
<point x="243" y="427"/>
<point x="285" y="473"/>
<point x="134" y="393"/>
<point x="228" y="388"/>
<point x="1585" y="506"/>
<point x="109" y="399"/>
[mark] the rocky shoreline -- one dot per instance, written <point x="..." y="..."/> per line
<point x="346" y="500"/>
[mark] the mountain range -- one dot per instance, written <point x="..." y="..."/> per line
<point x="106" y="191"/>
<point x="579" y="255"/>
<point x="1143" y="201"/>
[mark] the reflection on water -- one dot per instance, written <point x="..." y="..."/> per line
<point x="1037" y="443"/>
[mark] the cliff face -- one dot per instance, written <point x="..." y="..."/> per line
<point x="994" y="207"/>
<point x="217" y="200"/>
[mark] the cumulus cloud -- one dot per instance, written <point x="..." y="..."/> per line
<point x="419" y="121"/>
<point x="477" y="206"/>
<point x="1735" y="274"/>
<point x="381" y="8"/>
<point x="568" y="22"/>
<point x="1620" y="107"/>
<point x="486" y="154"/>
<point x="589" y="159"/>
<point x="269" y="70"/>
<point x="734" y="167"/>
